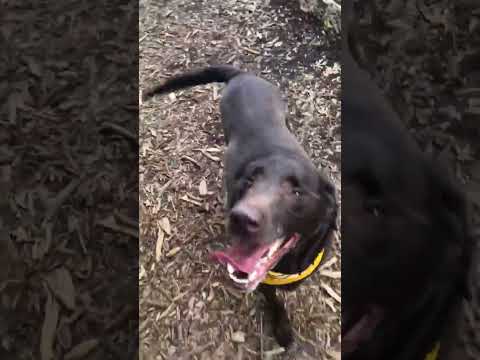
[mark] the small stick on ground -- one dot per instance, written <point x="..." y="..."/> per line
<point x="55" y="204"/>
<point x="120" y="130"/>
<point x="111" y="224"/>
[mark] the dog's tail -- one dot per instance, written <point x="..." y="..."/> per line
<point x="217" y="73"/>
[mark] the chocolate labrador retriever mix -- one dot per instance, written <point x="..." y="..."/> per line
<point x="405" y="243"/>
<point x="281" y="210"/>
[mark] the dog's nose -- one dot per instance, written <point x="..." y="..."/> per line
<point x="245" y="219"/>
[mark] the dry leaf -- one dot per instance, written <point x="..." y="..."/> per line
<point x="238" y="337"/>
<point x="202" y="188"/>
<point x="49" y="327"/>
<point x="61" y="284"/>
<point x="42" y="244"/>
<point x="335" y="355"/>
<point x="34" y="67"/>
<point x="142" y="273"/>
<point x="174" y="251"/>
<point x="81" y="350"/>
<point x="158" y="247"/>
<point x="64" y="334"/>
<point x="165" y="225"/>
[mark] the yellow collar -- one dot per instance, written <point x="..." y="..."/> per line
<point x="433" y="355"/>
<point x="276" y="278"/>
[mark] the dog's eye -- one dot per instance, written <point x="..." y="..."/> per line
<point x="297" y="192"/>
<point x="256" y="172"/>
<point x="293" y="182"/>
<point x="250" y="180"/>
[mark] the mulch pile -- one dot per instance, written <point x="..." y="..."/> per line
<point x="187" y="311"/>
<point x="69" y="197"/>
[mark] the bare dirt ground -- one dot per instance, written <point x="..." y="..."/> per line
<point x="186" y="312"/>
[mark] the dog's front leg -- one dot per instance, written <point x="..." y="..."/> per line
<point x="282" y="328"/>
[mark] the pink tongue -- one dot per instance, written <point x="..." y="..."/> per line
<point x="241" y="259"/>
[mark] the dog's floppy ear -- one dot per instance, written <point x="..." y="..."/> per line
<point x="446" y="192"/>
<point x="450" y="204"/>
<point x="326" y="186"/>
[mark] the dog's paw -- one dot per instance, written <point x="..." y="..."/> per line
<point x="297" y="352"/>
<point x="284" y="334"/>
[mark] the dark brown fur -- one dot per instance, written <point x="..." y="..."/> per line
<point x="405" y="242"/>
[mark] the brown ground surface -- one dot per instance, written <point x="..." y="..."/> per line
<point x="185" y="310"/>
<point x="68" y="195"/>
<point x="428" y="66"/>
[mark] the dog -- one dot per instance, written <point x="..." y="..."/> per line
<point x="282" y="211"/>
<point x="405" y="241"/>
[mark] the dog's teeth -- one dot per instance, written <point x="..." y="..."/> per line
<point x="271" y="251"/>
<point x="274" y="247"/>
<point x="237" y="280"/>
<point x="230" y="268"/>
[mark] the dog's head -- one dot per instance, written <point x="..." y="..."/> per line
<point x="403" y="229"/>
<point x="275" y="203"/>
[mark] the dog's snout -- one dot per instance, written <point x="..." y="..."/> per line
<point x="245" y="219"/>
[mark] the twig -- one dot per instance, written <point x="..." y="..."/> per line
<point x="331" y="274"/>
<point x="111" y="224"/>
<point x="165" y="313"/>
<point x="251" y="51"/>
<point x="332" y="293"/>
<point x="188" y="200"/>
<point x="164" y="187"/>
<point x="120" y="130"/>
<point x="125" y="219"/>
<point x="81" y="240"/>
<point x="54" y="204"/>
<point x="192" y="160"/>
<point x="155" y="303"/>
<point x="206" y="154"/>
<point x="204" y="285"/>
<point x="179" y="296"/>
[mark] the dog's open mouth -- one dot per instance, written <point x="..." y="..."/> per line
<point x="248" y="266"/>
